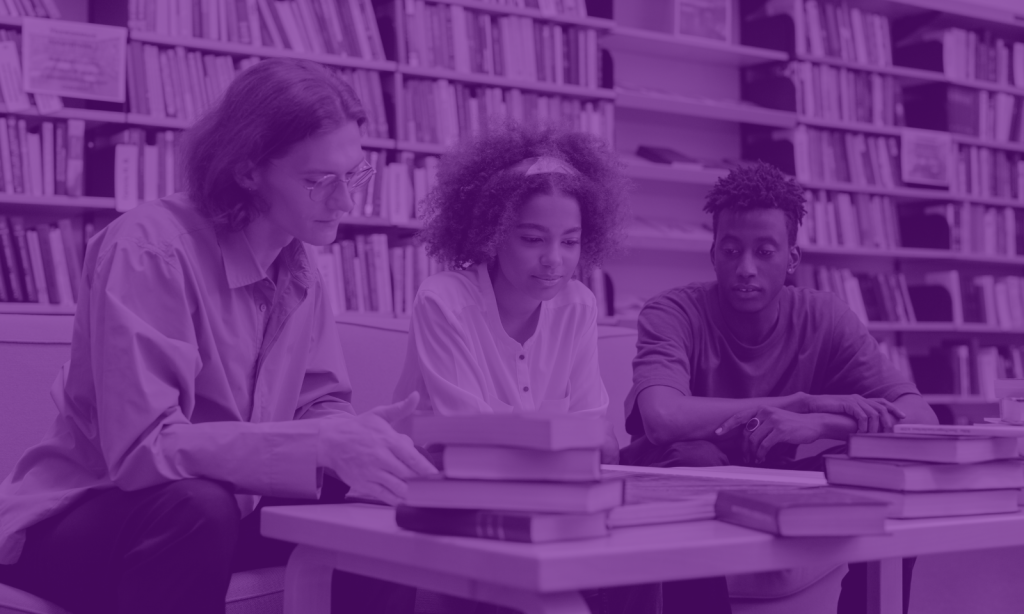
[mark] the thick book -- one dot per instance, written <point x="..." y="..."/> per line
<point x="502" y="525"/>
<point x="911" y="476"/>
<point x="538" y="431"/>
<point x="507" y="463"/>
<point x="942" y="503"/>
<point x="551" y="497"/>
<point x="933" y="449"/>
<point x="802" y="512"/>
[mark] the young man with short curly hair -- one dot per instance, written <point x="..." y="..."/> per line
<point x="741" y="370"/>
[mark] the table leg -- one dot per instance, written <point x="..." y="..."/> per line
<point x="885" y="586"/>
<point x="307" y="581"/>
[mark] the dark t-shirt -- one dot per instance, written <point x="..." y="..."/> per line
<point x="818" y="347"/>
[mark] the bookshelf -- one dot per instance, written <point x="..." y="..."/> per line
<point x="703" y="111"/>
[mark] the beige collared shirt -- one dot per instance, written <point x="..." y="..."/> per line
<point x="461" y="360"/>
<point x="186" y="361"/>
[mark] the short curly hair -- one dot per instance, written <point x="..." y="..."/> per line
<point x="476" y="202"/>
<point x="758" y="186"/>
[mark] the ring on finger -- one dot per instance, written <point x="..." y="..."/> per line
<point x="752" y="424"/>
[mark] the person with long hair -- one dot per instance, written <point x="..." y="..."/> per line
<point x="206" y="377"/>
<point x="516" y="214"/>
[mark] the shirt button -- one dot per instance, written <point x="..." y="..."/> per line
<point x="526" y="388"/>
<point x="522" y="357"/>
<point x="263" y="307"/>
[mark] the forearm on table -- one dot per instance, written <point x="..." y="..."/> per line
<point x="917" y="410"/>
<point x="669" y="415"/>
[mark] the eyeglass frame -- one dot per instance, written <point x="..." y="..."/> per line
<point x="363" y="175"/>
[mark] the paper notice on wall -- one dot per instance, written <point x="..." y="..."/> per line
<point x="75" y="59"/>
<point x="15" y="98"/>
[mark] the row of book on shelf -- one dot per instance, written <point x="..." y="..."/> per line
<point x="335" y="27"/>
<point x="837" y="156"/>
<point x="958" y="368"/>
<point x="179" y="83"/>
<point x="441" y="112"/>
<point x="364" y="274"/>
<point x="838" y="219"/>
<point x="46" y="9"/>
<point x="934" y="296"/>
<point x="517" y="477"/>
<point x="994" y="116"/>
<point x="842" y="94"/>
<point x="959" y="53"/>
<point x="41" y="263"/>
<point x="41" y="159"/>
<point x="845" y="31"/>
<point x="458" y="38"/>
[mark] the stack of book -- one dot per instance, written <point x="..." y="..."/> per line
<point x="513" y="477"/>
<point x="924" y="471"/>
<point x="537" y="478"/>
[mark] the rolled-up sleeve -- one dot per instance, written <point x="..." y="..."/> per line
<point x="146" y="358"/>
<point x="662" y="355"/>
<point x="452" y="374"/>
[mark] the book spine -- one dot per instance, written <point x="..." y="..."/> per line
<point x="472" y="523"/>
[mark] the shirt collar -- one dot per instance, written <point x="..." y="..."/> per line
<point x="242" y="269"/>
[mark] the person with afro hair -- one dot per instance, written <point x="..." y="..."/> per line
<point x="742" y="369"/>
<point x="516" y="214"/>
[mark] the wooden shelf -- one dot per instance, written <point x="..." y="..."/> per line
<point x="89" y="115"/>
<point x="914" y="74"/>
<point x="650" y="171"/>
<point x="645" y="241"/>
<point x="69" y="202"/>
<point x="911" y="253"/>
<point x="834" y="124"/>
<point x="370" y="222"/>
<point x="238" y="49"/>
<point x="690" y="48"/>
<point x="504" y="82"/>
<point x="959" y="139"/>
<point x="423" y="148"/>
<point x="151" y="121"/>
<point x="36" y="309"/>
<point x="723" y="110"/>
<point x="906" y="193"/>
<point x="488" y="7"/>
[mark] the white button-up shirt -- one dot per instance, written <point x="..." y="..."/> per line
<point x="462" y="361"/>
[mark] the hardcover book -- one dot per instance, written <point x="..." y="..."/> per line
<point x="915" y="476"/>
<point x="802" y="512"/>
<point x="932" y="446"/>
<point x="502" y="525"/>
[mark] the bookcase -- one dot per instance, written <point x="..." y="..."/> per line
<point x="828" y="90"/>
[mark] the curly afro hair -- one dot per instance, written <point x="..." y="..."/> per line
<point x="477" y="200"/>
<point x="758" y="186"/>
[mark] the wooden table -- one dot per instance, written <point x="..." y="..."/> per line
<point x="547" y="578"/>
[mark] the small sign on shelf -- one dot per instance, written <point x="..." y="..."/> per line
<point x="926" y="157"/>
<point x="712" y="19"/>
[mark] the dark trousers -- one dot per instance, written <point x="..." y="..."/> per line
<point x="642" y="453"/>
<point x="168" y="549"/>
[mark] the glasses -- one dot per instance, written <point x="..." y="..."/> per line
<point x="326" y="187"/>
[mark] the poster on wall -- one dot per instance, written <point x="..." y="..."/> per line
<point x="926" y="157"/>
<point x="704" y="18"/>
<point x="74" y="59"/>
